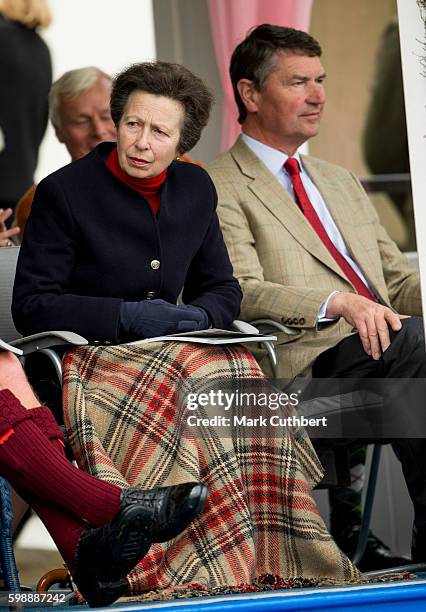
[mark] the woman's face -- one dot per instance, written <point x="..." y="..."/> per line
<point x="148" y="134"/>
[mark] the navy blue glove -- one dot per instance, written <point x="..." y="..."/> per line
<point x="151" y="318"/>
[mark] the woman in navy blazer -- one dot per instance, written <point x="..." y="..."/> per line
<point x="128" y="227"/>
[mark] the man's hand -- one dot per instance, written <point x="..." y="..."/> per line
<point x="6" y="234"/>
<point x="372" y="320"/>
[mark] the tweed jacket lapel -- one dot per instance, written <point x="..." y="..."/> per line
<point x="276" y="199"/>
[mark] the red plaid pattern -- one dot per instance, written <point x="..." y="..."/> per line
<point x="124" y="424"/>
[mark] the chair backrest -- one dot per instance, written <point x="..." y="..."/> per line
<point x="8" y="259"/>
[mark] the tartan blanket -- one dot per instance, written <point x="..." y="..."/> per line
<point x="124" y="420"/>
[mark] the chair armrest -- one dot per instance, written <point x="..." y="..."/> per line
<point x="4" y="346"/>
<point x="249" y="328"/>
<point x="245" y="328"/>
<point x="44" y="340"/>
<point x="264" y="324"/>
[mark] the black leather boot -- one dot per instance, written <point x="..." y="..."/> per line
<point x="106" y="554"/>
<point x="173" y="507"/>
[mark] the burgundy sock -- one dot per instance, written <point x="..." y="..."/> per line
<point x="64" y="529"/>
<point x="46" y="422"/>
<point x="43" y="472"/>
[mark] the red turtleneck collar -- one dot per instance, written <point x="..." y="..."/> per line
<point x="147" y="187"/>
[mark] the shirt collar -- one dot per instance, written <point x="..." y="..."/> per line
<point x="273" y="159"/>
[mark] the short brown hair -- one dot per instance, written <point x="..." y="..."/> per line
<point x="171" y="81"/>
<point x="254" y="58"/>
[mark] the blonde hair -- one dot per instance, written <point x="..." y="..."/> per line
<point x="31" y="13"/>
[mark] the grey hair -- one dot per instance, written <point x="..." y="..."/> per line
<point x="70" y="85"/>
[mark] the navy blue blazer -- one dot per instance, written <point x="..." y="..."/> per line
<point x="91" y="242"/>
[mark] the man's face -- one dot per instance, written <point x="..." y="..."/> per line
<point x="86" y="120"/>
<point x="287" y="111"/>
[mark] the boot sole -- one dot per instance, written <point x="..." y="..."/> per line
<point x="129" y="541"/>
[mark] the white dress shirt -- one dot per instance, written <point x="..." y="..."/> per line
<point x="274" y="160"/>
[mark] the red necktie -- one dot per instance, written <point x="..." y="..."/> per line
<point x="292" y="167"/>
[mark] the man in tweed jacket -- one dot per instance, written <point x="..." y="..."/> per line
<point x="285" y="270"/>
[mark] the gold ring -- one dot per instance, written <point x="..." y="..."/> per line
<point x="9" y="243"/>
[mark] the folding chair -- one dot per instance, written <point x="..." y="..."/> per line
<point x="44" y="343"/>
